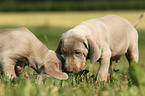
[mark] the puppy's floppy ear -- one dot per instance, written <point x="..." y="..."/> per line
<point x="51" y="69"/>
<point x="94" y="51"/>
<point x="58" y="50"/>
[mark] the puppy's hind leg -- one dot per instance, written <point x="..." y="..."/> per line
<point x="132" y="53"/>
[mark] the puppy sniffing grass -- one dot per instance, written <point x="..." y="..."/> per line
<point x="19" y="47"/>
<point x="102" y="40"/>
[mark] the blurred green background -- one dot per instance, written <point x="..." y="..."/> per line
<point x="70" y="5"/>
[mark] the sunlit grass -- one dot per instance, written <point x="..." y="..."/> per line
<point x="62" y="19"/>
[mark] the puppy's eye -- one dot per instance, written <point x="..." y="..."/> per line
<point x="77" y="52"/>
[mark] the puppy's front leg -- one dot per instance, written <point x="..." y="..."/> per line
<point x="104" y="65"/>
<point x="8" y="67"/>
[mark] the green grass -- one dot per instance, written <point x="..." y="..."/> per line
<point x="85" y="85"/>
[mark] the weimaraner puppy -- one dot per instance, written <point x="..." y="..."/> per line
<point x="103" y="39"/>
<point x="19" y="47"/>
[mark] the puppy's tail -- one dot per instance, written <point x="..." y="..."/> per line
<point x="138" y="20"/>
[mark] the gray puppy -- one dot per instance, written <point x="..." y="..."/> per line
<point x="103" y="39"/>
<point x="19" y="47"/>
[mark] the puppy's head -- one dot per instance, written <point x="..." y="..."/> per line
<point x="76" y="49"/>
<point x="53" y="66"/>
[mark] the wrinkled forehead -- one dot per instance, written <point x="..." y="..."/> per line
<point x="73" y="43"/>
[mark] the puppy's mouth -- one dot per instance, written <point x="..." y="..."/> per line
<point x="71" y="71"/>
<point x="66" y="71"/>
<point x="85" y="71"/>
